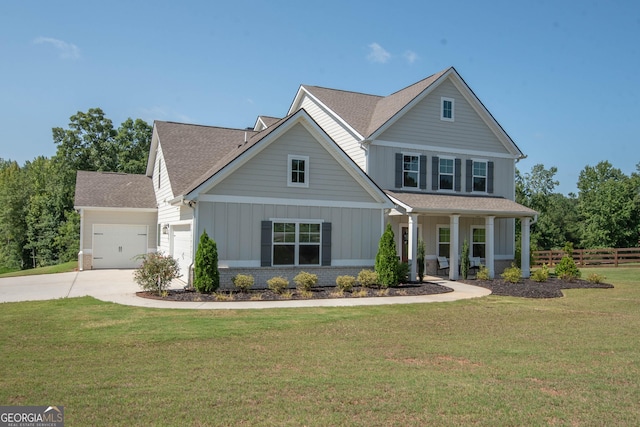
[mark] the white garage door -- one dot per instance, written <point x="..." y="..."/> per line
<point x="117" y="245"/>
<point x="181" y="248"/>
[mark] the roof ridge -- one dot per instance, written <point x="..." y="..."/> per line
<point x="344" y="90"/>
<point x="206" y="126"/>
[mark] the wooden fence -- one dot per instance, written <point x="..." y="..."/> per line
<point x="590" y="257"/>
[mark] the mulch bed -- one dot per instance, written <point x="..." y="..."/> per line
<point x="527" y="288"/>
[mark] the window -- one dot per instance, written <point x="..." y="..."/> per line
<point x="298" y="171"/>
<point x="410" y="171"/>
<point x="446" y="174"/>
<point x="479" y="176"/>
<point x="444" y="241"/>
<point x="478" y="241"/>
<point x="447" y="112"/>
<point x="296" y="243"/>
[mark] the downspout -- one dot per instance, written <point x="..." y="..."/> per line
<point x="194" y="207"/>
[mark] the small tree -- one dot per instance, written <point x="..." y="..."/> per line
<point x="421" y="254"/>
<point x="567" y="268"/>
<point x="464" y="260"/>
<point x="156" y="272"/>
<point x="387" y="259"/>
<point x="206" y="277"/>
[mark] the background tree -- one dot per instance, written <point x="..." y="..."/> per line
<point x="132" y="142"/>
<point x="13" y="227"/>
<point x="609" y="207"/>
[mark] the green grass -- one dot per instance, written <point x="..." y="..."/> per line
<point x="60" y="268"/>
<point x="489" y="361"/>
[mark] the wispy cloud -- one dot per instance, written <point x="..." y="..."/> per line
<point x="65" y="50"/>
<point x="378" y="54"/>
<point x="410" y="56"/>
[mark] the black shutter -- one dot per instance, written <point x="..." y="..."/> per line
<point x="435" y="171"/>
<point x="398" y="170"/>
<point x="326" y="243"/>
<point x="265" y="244"/>
<point x="490" y="177"/>
<point x="423" y="172"/>
<point x="469" y="176"/>
<point x="457" y="172"/>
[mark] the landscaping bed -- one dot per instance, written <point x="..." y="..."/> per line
<point x="527" y="288"/>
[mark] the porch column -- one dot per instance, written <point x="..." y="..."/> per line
<point x="526" y="248"/>
<point x="489" y="254"/>
<point x="413" y="246"/>
<point x="454" y="227"/>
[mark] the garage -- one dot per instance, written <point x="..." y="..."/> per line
<point x="118" y="245"/>
<point x="181" y="248"/>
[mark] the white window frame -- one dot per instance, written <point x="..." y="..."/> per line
<point x="417" y="171"/>
<point x="453" y="173"/>
<point x="474" y="176"/>
<point x="471" y="251"/>
<point x="442" y="109"/>
<point x="297" y="243"/>
<point x="438" y="242"/>
<point x="290" y="182"/>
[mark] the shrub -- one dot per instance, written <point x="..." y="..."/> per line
<point x="595" y="278"/>
<point x="345" y="283"/>
<point x="206" y="277"/>
<point x="512" y="274"/>
<point x="541" y="274"/>
<point x="368" y="278"/>
<point x="278" y="284"/>
<point x="404" y="268"/>
<point x="483" y="273"/>
<point x="243" y="282"/>
<point x="420" y="258"/>
<point x="464" y="260"/>
<point x="567" y="268"/>
<point x="305" y="281"/>
<point x="387" y="259"/>
<point x="156" y="272"/>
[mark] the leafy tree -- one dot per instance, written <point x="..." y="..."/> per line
<point x="13" y="203"/>
<point x="206" y="277"/>
<point x="609" y="207"/>
<point x="132" y="142"/>
<point x="386" y="264"/>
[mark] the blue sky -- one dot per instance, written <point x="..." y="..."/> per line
<point x="562" y="77"/>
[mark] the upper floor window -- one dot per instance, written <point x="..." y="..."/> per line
<point x="410" y="171"/>
<point x="296" y="243"/>
<point x="447" y="109"/>
<point x="298" y="171"/>
<point x="479" y="176"/>
<point x="446" y="174"/>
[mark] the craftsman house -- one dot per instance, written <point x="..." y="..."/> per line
<point x="314" y="190"/>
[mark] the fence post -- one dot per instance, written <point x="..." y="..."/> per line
<point x="615" y="256"/>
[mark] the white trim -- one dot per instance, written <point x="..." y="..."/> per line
<point x="444" y="99"/>
<point x="307" y="170"/>
<point x="297" y="244"/>
<point x="436" y="149"/>
<point x="96" y="208"/>
<point x="291" y="202"/>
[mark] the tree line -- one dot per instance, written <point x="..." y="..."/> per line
<point x="38" y="225"/>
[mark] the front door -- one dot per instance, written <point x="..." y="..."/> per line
<point x="405" y="244"/>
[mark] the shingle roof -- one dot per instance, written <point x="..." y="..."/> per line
<point x="191" y="150"/>
<point x="461" y="204"/>
<point x="366" y="113"/>
<point x="114" y="190"/>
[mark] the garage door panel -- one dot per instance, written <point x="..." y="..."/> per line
<point x="119" y="246"/>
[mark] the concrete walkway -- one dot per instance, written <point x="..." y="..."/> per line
<point x="118" y="286"/>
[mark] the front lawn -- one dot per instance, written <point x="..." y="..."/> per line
<point x="489" y="361"/>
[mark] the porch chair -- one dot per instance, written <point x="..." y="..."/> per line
<point x="443" y="264"/>
<point x="475" y="263"/>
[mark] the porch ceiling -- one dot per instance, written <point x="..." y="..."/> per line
<point x="445" y="204"/>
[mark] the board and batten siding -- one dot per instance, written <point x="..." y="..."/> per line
<point x="422" y="125"/>
<point x="92" y="217"/>
<point x="343" y="137"/>
<point x="265" y="175"/>
<point x="236" y="229"/>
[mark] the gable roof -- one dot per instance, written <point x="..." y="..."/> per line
<point x="114" y="190"/>
<point x="190" y="150"/>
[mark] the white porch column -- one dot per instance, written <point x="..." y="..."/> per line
<point x="526" y="247"/>
<point x="454" y="227"/>
<point x="413" y="246"/>
<point x="489" y="245"/>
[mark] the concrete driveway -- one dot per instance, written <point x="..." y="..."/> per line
<point x="118" y="286"/>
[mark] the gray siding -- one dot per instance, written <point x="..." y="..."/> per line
<point x="236" y="228"/>
<point x="266" y="174"/>
<point x="422" y="125"/>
